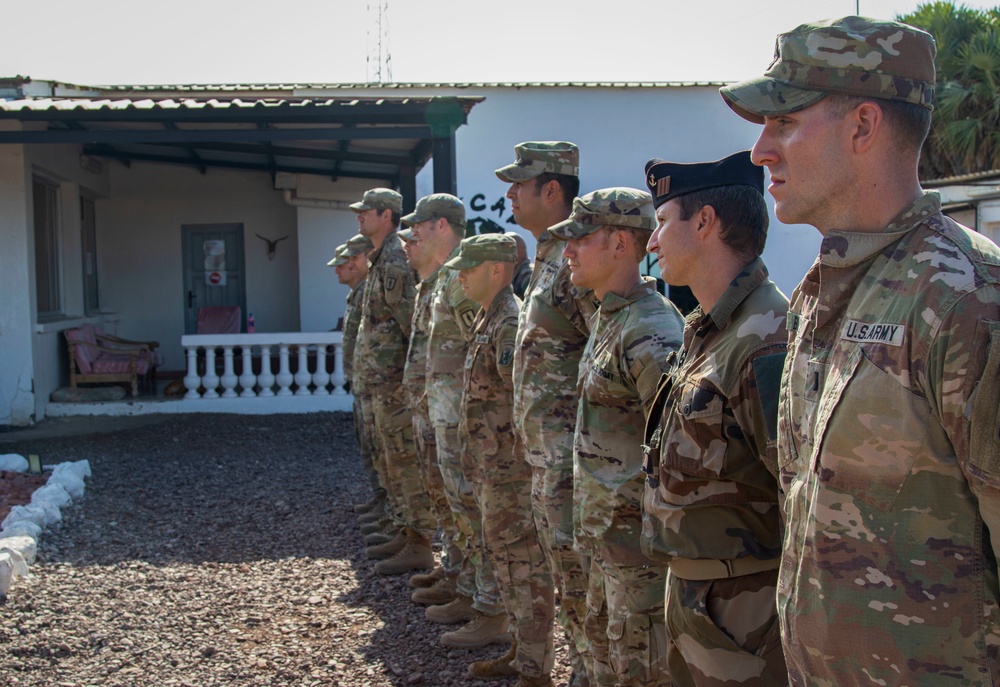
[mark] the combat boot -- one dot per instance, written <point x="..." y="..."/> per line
<point x="459" y="610"/>
<point x="379" y="538"/>
<point x="378" y="526"/>
<point x="373" y="515"/>
<point x="481" y="631"/>
<point x="441" y="592"/>
<point x="427" y="579"/>
<point x="367" y="506"/>
<point x="525" y="681"/>
<point x="416" y="554"/>
<point x="496" y="668"/>
<point x="388" y="549"/>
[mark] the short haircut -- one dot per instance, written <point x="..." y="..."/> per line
<point x="395" y="215"/>
<point x="640" y="237"/>
<point x="909" y="123"/>
<point x="741" y="211"/>
<point x="569" y="185"/>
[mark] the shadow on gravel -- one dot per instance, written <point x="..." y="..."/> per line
<point x="209" y="490"/>
<point x="213" y="488"/>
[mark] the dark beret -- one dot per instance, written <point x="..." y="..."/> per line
<point x="668" y="180"/>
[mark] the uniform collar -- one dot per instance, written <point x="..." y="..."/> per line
<point x="849" y="248"/>
<point x="613" y="302"/>
<point x="749" y="278"/>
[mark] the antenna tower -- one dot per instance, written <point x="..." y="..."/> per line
<point x="379" y="61"/>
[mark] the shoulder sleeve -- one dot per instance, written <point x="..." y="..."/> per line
<point x="503" y="341"/>
<point x="659" y="332"/>
<point x="464" y="309"/>
<point x="399" y="284"/>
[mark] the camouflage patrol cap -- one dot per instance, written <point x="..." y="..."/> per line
<point x="405" y="235"/>
<point x="437" y="206"/>
<point x="379" y="199"/>
<point x="477" y="249"/>
<point x="538" y="157"/>
<point x="358" y="244"/>
<point x="851" y="56"/>
<point x="617" y="207"/>
<point x="339" y="257"/>
<point x="668" y="180"/>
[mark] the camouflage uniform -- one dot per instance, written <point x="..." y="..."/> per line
<point x="887" y="422"/>
<point x="551" y="335"/>
<point x="503" y="485"/>
<point x="352" y="320"/>
<point x="621" y="366"/>
<point x="889" y="458"/>
<point x="452" y="315"/>
<point x="415" y="381"/>
<point x="713" y="495"/>
<point x="383" y="339"/>
<point x="521" y="278"/>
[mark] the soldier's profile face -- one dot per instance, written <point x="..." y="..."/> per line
<point x="806" y="154"/>
<point x="526" y="204"/>
<point x="589" y="259"/>
<point x="673" y="243"/>
<point x="476" y="282"/>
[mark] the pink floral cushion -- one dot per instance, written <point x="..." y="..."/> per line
<point x="85" y="355"/>
<point x="120" y="364"/>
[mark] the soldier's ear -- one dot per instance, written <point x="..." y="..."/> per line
<point x="705" y="219"/>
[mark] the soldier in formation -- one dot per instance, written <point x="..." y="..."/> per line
<point x="633" y="332"/>
<point x="501" y="477"/>
<point x="711" y="503"/>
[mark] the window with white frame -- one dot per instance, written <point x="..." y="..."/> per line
<point x="47" y="248"/>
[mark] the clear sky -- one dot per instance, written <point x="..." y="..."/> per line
<point x="317" y="41"/>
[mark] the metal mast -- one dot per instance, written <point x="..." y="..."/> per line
<point x="379" y="61"/>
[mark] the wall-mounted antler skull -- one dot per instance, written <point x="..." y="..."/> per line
<point x="272" y="246"/>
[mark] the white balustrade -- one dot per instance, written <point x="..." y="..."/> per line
<point x="320" y="381"/>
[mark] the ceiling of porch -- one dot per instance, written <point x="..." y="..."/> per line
<point x="385" y="139"/>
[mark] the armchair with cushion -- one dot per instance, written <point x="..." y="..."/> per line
<point x="96" y="357"/>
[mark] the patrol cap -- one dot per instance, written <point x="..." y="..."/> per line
<point x="379" y="199"/>
<point x="668" y="180"/>
<point x="339" y="257"/>
<point x="618" y="207"/>
<point x="859" y="56"/>
<point x="405" y="235"/>
<point x="534" y="158"/>
<point x="477" y="249"/>
<point x="358" y="244"/>
<point x="436" y="206"/>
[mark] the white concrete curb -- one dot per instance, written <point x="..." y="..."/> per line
<point x="21" y="528"/>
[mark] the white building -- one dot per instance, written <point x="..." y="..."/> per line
<point x="107" y="194"/>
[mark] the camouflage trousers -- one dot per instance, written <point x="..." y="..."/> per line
<point x="552" y="506"/>
<point x="394" y="428"/>
<point x="362" y="433"/>
<point x="625" y="624"/>
<point x="514" y="552"/>
<point x="378" y="462"/>
<point x="724" y="632"/>
<point x="426" y="442"/>
<point x="476" y="578"/>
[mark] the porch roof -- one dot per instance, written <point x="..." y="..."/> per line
<point x="381" y="138"/>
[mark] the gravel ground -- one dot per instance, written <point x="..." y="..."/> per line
<point x="218" y="550"/>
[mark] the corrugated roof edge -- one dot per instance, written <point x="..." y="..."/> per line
<point x="294" y="86"/>
<point x="987" y="175"/>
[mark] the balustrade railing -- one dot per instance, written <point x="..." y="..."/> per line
<point x="318" y="363"/>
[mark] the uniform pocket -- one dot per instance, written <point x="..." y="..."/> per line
<point x="873" y="436"/>
<point x="701" y="414"/>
